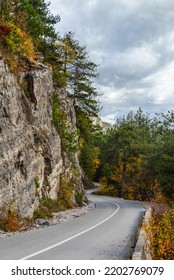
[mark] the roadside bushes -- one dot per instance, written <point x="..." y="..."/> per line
<point x="160" y="232"/>
<point x="9" y="220"/>
<point x="104" y="189"/>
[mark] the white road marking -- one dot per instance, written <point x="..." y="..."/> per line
<point x="74" y="236"/>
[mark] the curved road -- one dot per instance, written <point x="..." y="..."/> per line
<point x="106" y="232"/>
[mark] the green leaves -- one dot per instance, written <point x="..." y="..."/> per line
<point x="79" y="72"/>
<point x="32" y="18"/>
<point x="40" y="22"/>
<point x="139" y="155"/>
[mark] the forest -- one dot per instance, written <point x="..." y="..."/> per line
<point x="137" y="162"/>
<point x="135" y="158"/>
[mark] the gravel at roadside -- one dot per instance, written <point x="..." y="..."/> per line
<point x="58" y="218"/>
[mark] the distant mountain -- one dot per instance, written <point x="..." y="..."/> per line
<point x="98" y="121"/>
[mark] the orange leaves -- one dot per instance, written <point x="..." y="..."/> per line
<point x="26" y="43"/>
<point x="11" y="222"/>
<point x="96" y="163"/>
<point x="14" y="41"/>
<point x="4" y="30"/>
<point x="9" y="219"/>
<point x="161" y="234"/>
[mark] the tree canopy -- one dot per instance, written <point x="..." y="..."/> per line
<point x="137" y="156"/>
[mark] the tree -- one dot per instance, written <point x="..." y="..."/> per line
<point x="34" y="19"/>
<point x="40" y="22"/>
<point x="80" y="72"/>
<point x="161" y="158"/>
<point x="89" y="150"/>
<point x="137" y="156"/>
<point x="121" y="154"/>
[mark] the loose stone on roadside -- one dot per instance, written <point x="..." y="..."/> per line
<point x="58" y="218"/>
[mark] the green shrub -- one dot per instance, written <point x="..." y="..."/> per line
<point x="37" y="184"/>
<point x="79" y="198"/>
<point x="59" y="79"/>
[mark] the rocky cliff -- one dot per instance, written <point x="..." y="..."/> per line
<point x="32" y="160"/>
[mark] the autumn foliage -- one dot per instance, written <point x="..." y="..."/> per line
<point x="137" y="162"/>
<point x="137" y="157"/>
<point x="25" y="27"/>
<point x="16" y="41"/>
<point x="160" y="232"/>
<point x="9" y="219"/>
<point x="4" y="30"/>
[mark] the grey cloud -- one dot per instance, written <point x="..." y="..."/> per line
<point x="133" y="41"/>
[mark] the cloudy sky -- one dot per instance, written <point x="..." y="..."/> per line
<point x="133" y="43"/>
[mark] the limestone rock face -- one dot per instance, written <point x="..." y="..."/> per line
<point x="66" y="105"/>
<point x="31" y="159"/>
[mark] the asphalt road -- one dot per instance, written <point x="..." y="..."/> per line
<point x="105" y="233"/>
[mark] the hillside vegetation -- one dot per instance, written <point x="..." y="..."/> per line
<point x="27" y="38"/>
<point x="137" y="162"/>
<point x="135" y="158"/>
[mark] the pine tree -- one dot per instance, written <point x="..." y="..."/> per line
<point x="80" y="72"/>
<point x="137" y="156"/>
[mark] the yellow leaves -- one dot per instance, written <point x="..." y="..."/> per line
<point x="68" y="55"/>
<point x="96" y="162"/>
<point x="117" y="175"/>
<point x="65" y="46"/>
<point x="104" y="189"/>
<point x="81" y="142"/>
<point x="26" y="44"/>
<point x="160" y="232"/>
<point x="137" y="163"/>
<point x="16" y="41"/>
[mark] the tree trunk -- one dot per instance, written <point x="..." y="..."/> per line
<point x="123" y="179"/>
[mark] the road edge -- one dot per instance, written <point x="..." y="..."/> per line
<point x="142" y="251"/>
